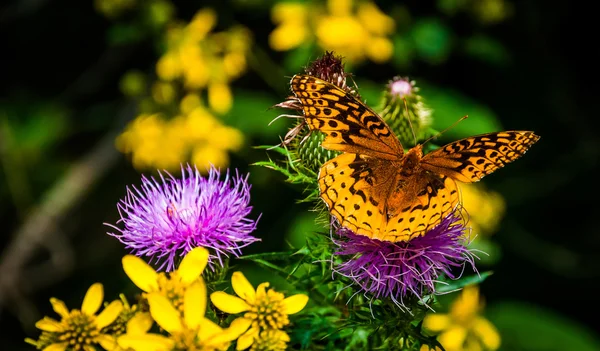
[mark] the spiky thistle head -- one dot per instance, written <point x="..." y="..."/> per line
<point x="407" y="270"/>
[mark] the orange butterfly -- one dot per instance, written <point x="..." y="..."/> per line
<point x="377" y="190"/>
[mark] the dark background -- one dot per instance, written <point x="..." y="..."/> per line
<point x="55" y="52"/>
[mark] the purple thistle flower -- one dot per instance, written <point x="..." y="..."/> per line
<point x="168" y="218"/>
<point x="396" y="270"/>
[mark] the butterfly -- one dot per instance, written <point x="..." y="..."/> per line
<point x="376" y="189"/>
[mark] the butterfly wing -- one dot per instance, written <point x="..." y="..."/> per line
<point x="355" y="189"/>
<point x="470" y="159"/>
<point x="349" y="125"/>
<point x="418" y="204"/>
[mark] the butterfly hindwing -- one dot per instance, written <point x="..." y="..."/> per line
<point x="350" y="125"/>
<point x="355" y="189"/>
<point x="470" y="159"/>
<point x="418" y="204"/>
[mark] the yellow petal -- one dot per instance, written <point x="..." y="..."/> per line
<point x="49" y="324"/>
<point x="487" y="332"/>
<point x="163" y="312"/>
<point x="295" y="303"/>
<point x="59" y="307"/>
<point x="242" y="287"/>
<point x="193" y="264"/>
<point x="194" y="304"/>
<point x="140" y="273"/>
<point x="207" y="329"/>
<point x="146" y="342"/>
<point x="238" y="327"/>
<point x="140" y="323"/>
<point x="436" y="322"/>
<point x="108" y="342"/>
<point x="56" y="347"/>
<point x="227" y="303"/>
<point x="93" y="299"/>
<point x="453" y="339"/>
<point x="262" y="289"/>
<point x="246" y="340"/>
<point x="109" y="314"/>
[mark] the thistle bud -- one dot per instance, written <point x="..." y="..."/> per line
<point x="404" y="111"/>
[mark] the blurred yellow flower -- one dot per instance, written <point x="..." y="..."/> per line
<point x="264" y="310"/>
<point x="485" y="208"/>
<point x="354" y="30"/>
<point x="172" y="286"/>
<point x="204" y="59"/>
<point x="155" y="142"/>
<point x="463" y="329"/>
<point x="188" y="329"/>
<point x="78" y="329"/>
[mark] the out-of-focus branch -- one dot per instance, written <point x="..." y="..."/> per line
<point x="40" y="229"/>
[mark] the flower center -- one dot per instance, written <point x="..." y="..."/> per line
<point x="268" y="311"/>
<point x="79" y="330"/>
<point x="271" y="340"/>
<point x="172" y="288"/>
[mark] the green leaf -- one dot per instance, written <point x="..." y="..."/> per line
<point x="486" y="49"/>
<point x="526" y="327"/>
<point x="449" y="106"/>
<point x="303" y="225"/>
<point x="298" y="58"/>
<point x="251" y="113"/>
<point x="432" y="40"/>
<point x="124" y="33"/>
<point x="462" y="282"/>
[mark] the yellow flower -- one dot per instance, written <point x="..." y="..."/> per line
<point x="271" y="340"/>
<point x="79" y="329"/>
<point x="191" y="332"/>
<point x="355" y="31"/>
<point x="485" y="208"/>
<point x="264" y="309"/>
<point x="172" y="286"/>
<point x="154" y="142"/>
<point x="463" y="329"/>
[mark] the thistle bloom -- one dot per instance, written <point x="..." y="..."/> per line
<point x="173" y="285"/>
<point x="79" y="329"/>
<point x="192" y="332"/>
<point x="264" y="309"/>
<point x="463" y="328"/>
<point x="397" y="270"/>
<point x="167" y="219"/>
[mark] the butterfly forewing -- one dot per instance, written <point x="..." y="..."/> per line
<point x="470" y="159"/>
<point x="350" y="125"/>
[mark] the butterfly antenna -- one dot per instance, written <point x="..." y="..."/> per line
<point x="412" y="130"/>
<point x="445" y="130"/>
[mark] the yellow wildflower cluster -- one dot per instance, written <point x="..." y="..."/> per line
<point x="175" y="125"/>
<point x="177" y="303"/>
<point x="354" y="30"/>
<point x="203" y="59"/>
<point x="156" y="142"/>
<point x="79" y="329"/>
<point x="463" y="329"/>
<point x="485" y="208"/>
<point x="265" y="313"/>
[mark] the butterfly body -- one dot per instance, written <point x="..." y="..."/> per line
<point x="376" y="189"/>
